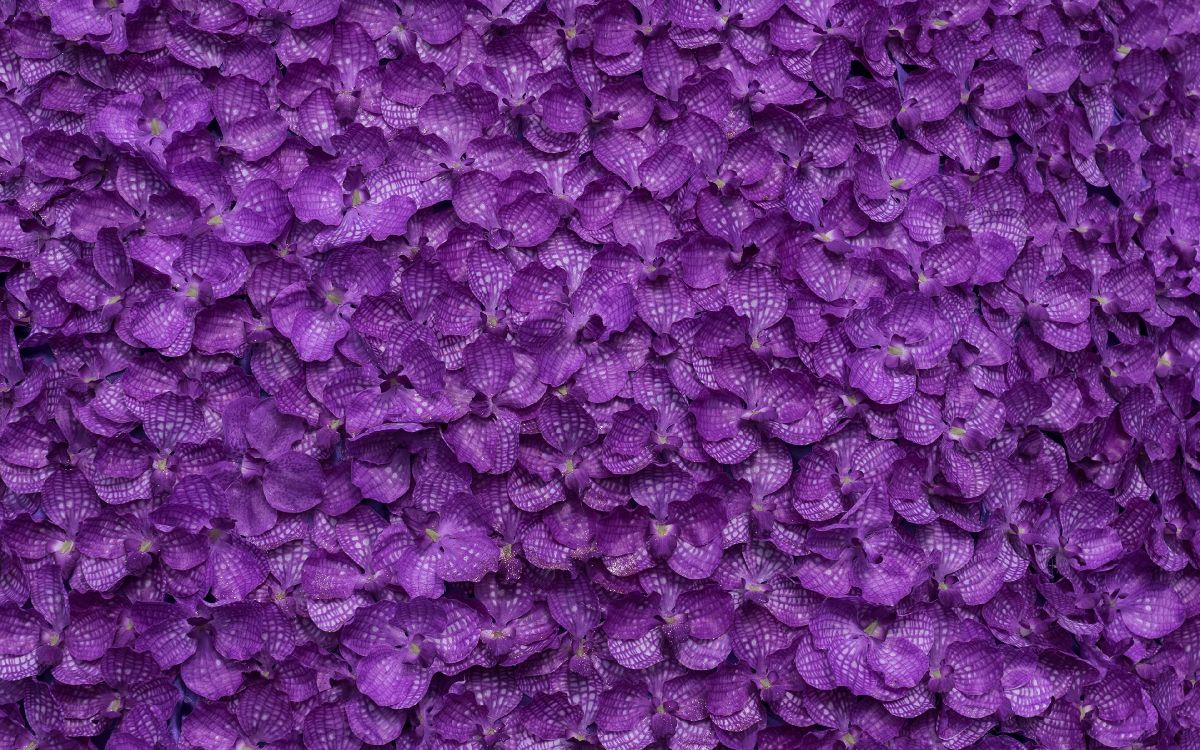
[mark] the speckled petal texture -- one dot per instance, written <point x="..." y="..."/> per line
<point x="614" y="374"/>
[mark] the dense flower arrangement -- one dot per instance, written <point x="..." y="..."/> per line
<point x="599" y="373"/>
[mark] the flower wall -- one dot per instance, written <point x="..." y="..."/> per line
<point x="599" y="374"/>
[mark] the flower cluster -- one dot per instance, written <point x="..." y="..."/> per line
<point x="599" y="373"/>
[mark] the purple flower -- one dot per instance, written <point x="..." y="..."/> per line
<point x="555" y="716"/>
<point x="668" y="705"/>
<point x="481" y="711"/>
<point x="343" y="200"/>
<point x="568" y="459"/>
<point x="682" y="528"/>
<point x="894" y="341"/>
<point x="401" y="646"/>
<point x="654" y="430"/>
<point x="694" y="622"/>
<point x="314" y="317"/>
<point x="149" y="122"/>
<point x="452" y="545"/>
<point x="515" y="625"/>
<point x="340" y="581"/>
<point x="499" y="382"/>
